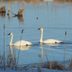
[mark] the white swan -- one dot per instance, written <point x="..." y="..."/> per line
<point x="48" y="41"/>
<point x="18" y="43"/>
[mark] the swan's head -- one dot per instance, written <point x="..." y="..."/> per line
<point x="11" y="38"/>
<point x="41" y="29"/>
<point x="11" y="34"/>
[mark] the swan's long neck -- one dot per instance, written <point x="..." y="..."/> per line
<point x="11" y="44"/>
<point x="11" y="39"/>
<point x="41" y="37"/>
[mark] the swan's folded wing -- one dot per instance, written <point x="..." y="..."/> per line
<point x="52" y="41"/>
<point x="22" y="43"/>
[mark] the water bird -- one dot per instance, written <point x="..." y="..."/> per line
<point x="18" y="43"/>
<point x="48" y="41"/>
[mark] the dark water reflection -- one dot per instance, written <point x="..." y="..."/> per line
<point x="2" y="14"/>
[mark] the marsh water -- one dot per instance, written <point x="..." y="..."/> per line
<point x="56" y="19"/>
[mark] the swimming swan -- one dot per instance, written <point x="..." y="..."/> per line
<point x="48" y="41"/>
<point x="18" y="43"/>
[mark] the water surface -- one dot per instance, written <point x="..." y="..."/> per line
<point x="55" y="18"/>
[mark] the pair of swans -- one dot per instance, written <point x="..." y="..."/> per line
<point x="27" y="43"/>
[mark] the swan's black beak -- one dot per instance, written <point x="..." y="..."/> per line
<point x="38" y="28"/>
<point x="8" y="33"/>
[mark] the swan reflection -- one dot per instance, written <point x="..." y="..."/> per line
<point x="22" y="48"/>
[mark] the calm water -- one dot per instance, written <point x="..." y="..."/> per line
<point x="55" y="18"/>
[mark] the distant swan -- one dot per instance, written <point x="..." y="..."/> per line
<point x="18" y="43"/>
<point x="48" y="41"/>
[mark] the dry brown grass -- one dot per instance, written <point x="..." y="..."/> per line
<point x="54" y="65"/>
<point x="63" y="1"/>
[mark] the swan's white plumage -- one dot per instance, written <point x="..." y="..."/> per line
<point x="48" y="41"/>
<point x="53" y="41"/>
<point x="22" y="42"/>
